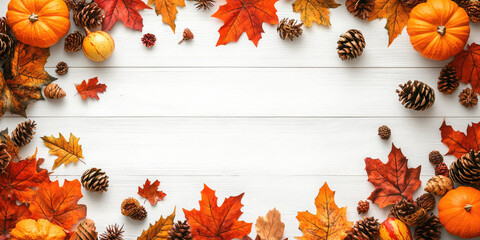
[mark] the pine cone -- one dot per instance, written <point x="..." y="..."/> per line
<point x="462" y="3"/>
<point x="363" y="207"/>
<point x="180" y="231"/>
<point x="466" y="169"/>
<point x="73" y="42"/>
<point x="6" y="46"/>
<point x="62" y="68"/>
<point x="4" y="26"/>
<point x="365" y="229"/>
<point x="411" y="3"/>
<point x="23" y="134"/>
<point x="204" y="4"/>
<point x="435" y="157"/>
<point x="149" y="40"/>
<point x="288" y="28"/>
<point x="439" y="185"/>
<point x="88" y="15"/>
<point x="360" y="8"/>
<point x="95" y="180"/>
<point x="85" y="231"/>
<point x="350" y="44"/>
<point x="409" y="213"/>
<point x="431" y="230"/>
<point x="468" y="98"/>
<point x="70" y="4"/>
<point x="473" y="11"/>
<point x="441" y="169"/>
<point x="187" y="35"/>
<point x="416" y="95"/>
<point x="384" y="132"/>
<point x="53" y="91"/>
<point x="4" y="158"/>
<point x="448" y="81"/>
<point x="426" y="201"/>
<point x="132" y="208"/>
<point x="114" y="232"/>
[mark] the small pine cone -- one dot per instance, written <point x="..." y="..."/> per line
<point x="435" y="157"/>
<point x="187" y="35"/>
<point x="466" y="169"/>
<point x="462" y="3"/>
<point x="409" y="213"/>
<point x="132" y="208"/>
<point x="95" y="180"/>
<point x="53" y="91"/>
<point x="73" y="42"/>
<point x="4" y="158"/>
<point x="149" y="40"/>
<point x="468" y="98"/>
<point x="360" y="8"/>
<point x="88" y="15"/>
<point x="4" y="26"/>
<point x="384" y="132"/>
<point x="6" y="46"/>
<point x="441" y="169"/>
<point x="23" y="134"/>
<point x="439" y="185"/>
<point x="473" y="11"/>
<point x="180" y="231"/>
<point x="416" y="95"/>
<point x="113" y="232"/>
<point x="350" y="44"/>
<point x="365" y="229"/>
<point x="448" y="81"/>
<point x="431" y="230"/>
<point x="62" y="68"/>
<point x="288" y="28"/>
<point x="85" y="231"/>
<point x="412" y="3"/>
<point x="204" y="4"/>
<point x="363" y="207"/>
<point x="426" y="201"/>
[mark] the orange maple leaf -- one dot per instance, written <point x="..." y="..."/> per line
<point x="212" y="222"/>
<point x="393" y="181"/>
<point x="330" y="222"/>
<point x="241" y="16"/>
<point x="10" y="214"/>
<point x="160" y="229"/>
<point x="395" y="12"/>
<point x="91" y="88"/>
<point x="168" y="10"/>
<point x="150" y="192"/>
<point x="459" y="143"/>
<point x="467" y="65"/>
<point x="59" y="204"/>
<point x="314" y="10"/>
<point x="125" y="10"/>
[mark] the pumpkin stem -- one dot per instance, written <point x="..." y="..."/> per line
<point x="87" y="31"/>
<point x="441" y="30"/>
<point x="33" y="18"/>
<point x="468" y="207"/>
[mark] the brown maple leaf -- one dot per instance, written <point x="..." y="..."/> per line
<point x="393" y="181"/>
<point x="212" y="222"/>
<point x="271" y="226"/>
<point x="168" y="10"/>
<point x="11" y="147"/>
<point x="91" y="88"/>
<point x="10" y="214"/>
<point x="395" y="12"/>
<point x="314" y="10"/>
<point x="23" y="79"/>
<point x="459" y="143"/>
<point x="159" y="230"/>
<point x="59" y="205"/>
<point x="245" y="16"/>
<point x="467" y="65"/>
<point x="150" y="192"/>
<point x="67" y="152"/>
<point x="125" y="11"/>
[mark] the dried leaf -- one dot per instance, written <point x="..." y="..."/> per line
<point x="245" y="16"/>
<point x="159" y="230"/>
<point x="330" y="222"/>
<point x="271" y="226"/>
<point x="123" y="10"/>
<point x="67" y="152"/>
<point x="150" y="192"/>
<point x="457" y="142"/>
<point x="168" y="10"/>
<point x="24" y="78"/>
<point x="395" y="12"/>
<point x="12" y="148"/>
<point x="467" y="65"/>
<point x="393" y="181"/>
<point x="59" y="205"/>
<point x="212" y="222"/>
<point x="91" y="88"/>
<point x="10" y="214"/>
<point x="314" y="10"/>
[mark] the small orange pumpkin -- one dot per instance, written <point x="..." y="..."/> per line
<point x="394" y="229"/>
<point x="459" y="212"/>
<point x="29" y="229"/>
<point x="40" y="23"/>
<point x="438" y="29"/>
<point x="98" y="46"/>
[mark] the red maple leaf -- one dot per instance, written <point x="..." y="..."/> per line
<point x="457" y="142"/>
<point x="212" y="222"/>
<point x="467" y="66"/>
<point x="150" y="192"/>
<point x="10" y="214"/>
<point x="91" y="88"/>
<point x="393" y="181"/>
<point x="241" y="16"/>
<point x="125" y="11"/>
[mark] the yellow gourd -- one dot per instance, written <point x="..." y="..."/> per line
<point x="29" y="229"/>
<point x="98" y="46"/>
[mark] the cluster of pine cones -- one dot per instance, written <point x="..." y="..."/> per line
<point x="21" y="136"/>
<point x="87" y="231"/>
<point x="448" y="82"/>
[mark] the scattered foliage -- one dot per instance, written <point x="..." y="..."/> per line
<point x="67" y="152"/>
<point x="459" y="143"/>
<point x="168" y="10"/>
<point x="91" y="89"/>
<point x="271" y="226"/>
<point x="125" y="11"/>
<point x="159" y="230"/>
<point x="150" y="192"/>
<point x="314" y="10"/>
<point x="10" y="214"/>
<point x="395" y="12"/>
<point x="467" y="66"/>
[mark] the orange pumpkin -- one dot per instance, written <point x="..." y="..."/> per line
<point x="40" y="23"/>
<point x="438" y="29"/>
<point x="29" y="229"/>
<point x="394" y="229"/>
<point x="459" y="212"/>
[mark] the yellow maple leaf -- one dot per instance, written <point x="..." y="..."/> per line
<point x="396" y="14"/>
<point x="159" y="230"/>
<point x="314" y="10"/>
<point x="330" y="222"/>
<point x="67" y="152"/>
<point x="168" y="10"/>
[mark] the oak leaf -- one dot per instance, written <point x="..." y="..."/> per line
<point x="271" y="226"/>
<point x="212" y="222"/>
<point x="330" y="222"/>
<point x="395" y="12"/>
<point x="459" y="143"/>
<point x="10" y="214"/>
<point x="11" y="147"/>
<point x="122" y="10"/>
<point x="91" y="88"/>
<point x="314" y="10"/>
<point x="150" y="192"/>
<point x="393" y="181"/>
<point x="245" y="16"/>
<point x="67" y="152"/>
<point x="23" y="79"/>
<point x="467" y="65"/>
<point x="159" y="230"/>
<point x="59" y="205"/>
<point x="168" y="10"/>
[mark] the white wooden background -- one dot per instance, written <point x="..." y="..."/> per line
<point x="274" y="121"/>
